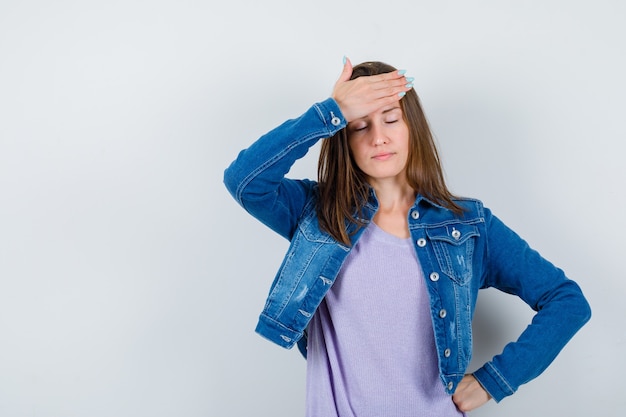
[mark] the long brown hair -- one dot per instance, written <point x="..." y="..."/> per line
<point x="343" y="189"/>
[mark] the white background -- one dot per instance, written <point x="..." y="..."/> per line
<point x="131" y="282"/>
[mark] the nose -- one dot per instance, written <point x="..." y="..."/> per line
<point x="378" y="136"/>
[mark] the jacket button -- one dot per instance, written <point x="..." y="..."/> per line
<point x="447" y="353"/>
<point x="456" y="234"/>
<point x="443" y="313"/>
<point x="434" y="277"/>
<point x="450" y="386"/>
<point x="421" y="242"/>
<point x="334" y="119"/>
<point x="415" y="214"/>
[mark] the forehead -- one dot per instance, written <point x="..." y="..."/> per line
<point x="393" y="108"/>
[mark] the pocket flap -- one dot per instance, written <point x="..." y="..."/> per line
<point x="454" y="233"/>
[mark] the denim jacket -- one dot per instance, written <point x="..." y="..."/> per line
<point x="458" y="254"/>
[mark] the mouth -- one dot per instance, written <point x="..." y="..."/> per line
<point x="383" y="156"/>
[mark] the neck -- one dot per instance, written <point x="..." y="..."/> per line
<point x="393" y="196"/>
<point x="394" y="204"/>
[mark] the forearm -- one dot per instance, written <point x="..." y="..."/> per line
<point x="256" y="178"/>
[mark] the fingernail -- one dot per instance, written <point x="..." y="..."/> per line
<point x="401" y="72"/>
<point x="409" y="79"/>
<point x="409" y="85"/>
<point x="402" y="94"/>
<point x="345" y="59"/>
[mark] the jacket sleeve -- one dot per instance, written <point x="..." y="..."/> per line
<point x="561" y="309"/>
<point x="256" y="179"/>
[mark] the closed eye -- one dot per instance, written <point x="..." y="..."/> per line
<point x="358" y="128"/>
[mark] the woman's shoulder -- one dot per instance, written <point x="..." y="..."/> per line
<point x="472" y="206"/>
<point x="468" y="201"/>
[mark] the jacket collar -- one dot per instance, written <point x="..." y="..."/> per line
<point x="372" y="203"/>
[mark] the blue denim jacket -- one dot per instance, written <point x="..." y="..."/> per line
<point x="459" y="256"/>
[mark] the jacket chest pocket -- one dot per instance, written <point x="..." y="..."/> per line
<point x="453" y="245"/>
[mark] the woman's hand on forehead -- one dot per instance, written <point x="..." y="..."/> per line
<point x="359" y="97"/>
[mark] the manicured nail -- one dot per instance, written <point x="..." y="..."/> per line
<point x="402" y="94"/>
<point x="409" y="85"/>
<point x="409" y="79"/>
<point x="345" y="59"/>
<point x="401" y="72"/>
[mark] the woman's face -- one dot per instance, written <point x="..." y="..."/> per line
<point x="380" y="144"/>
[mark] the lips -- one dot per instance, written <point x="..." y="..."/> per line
<point x="383" y="156"/>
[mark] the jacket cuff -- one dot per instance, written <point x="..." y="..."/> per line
<point x="331" y="115"/>
<point x="276" y="332"/>
<point x="493" y="382"/>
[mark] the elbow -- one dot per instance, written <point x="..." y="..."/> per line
<point x="580" y="309"/>
<point x="585" y="311"/>
<point x="231" y="181"/>
<point x="570" y="305"/>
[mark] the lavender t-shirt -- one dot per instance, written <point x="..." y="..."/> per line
<point x="371" y="348"/>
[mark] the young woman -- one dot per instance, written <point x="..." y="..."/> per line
<point x="380" y="281"/>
